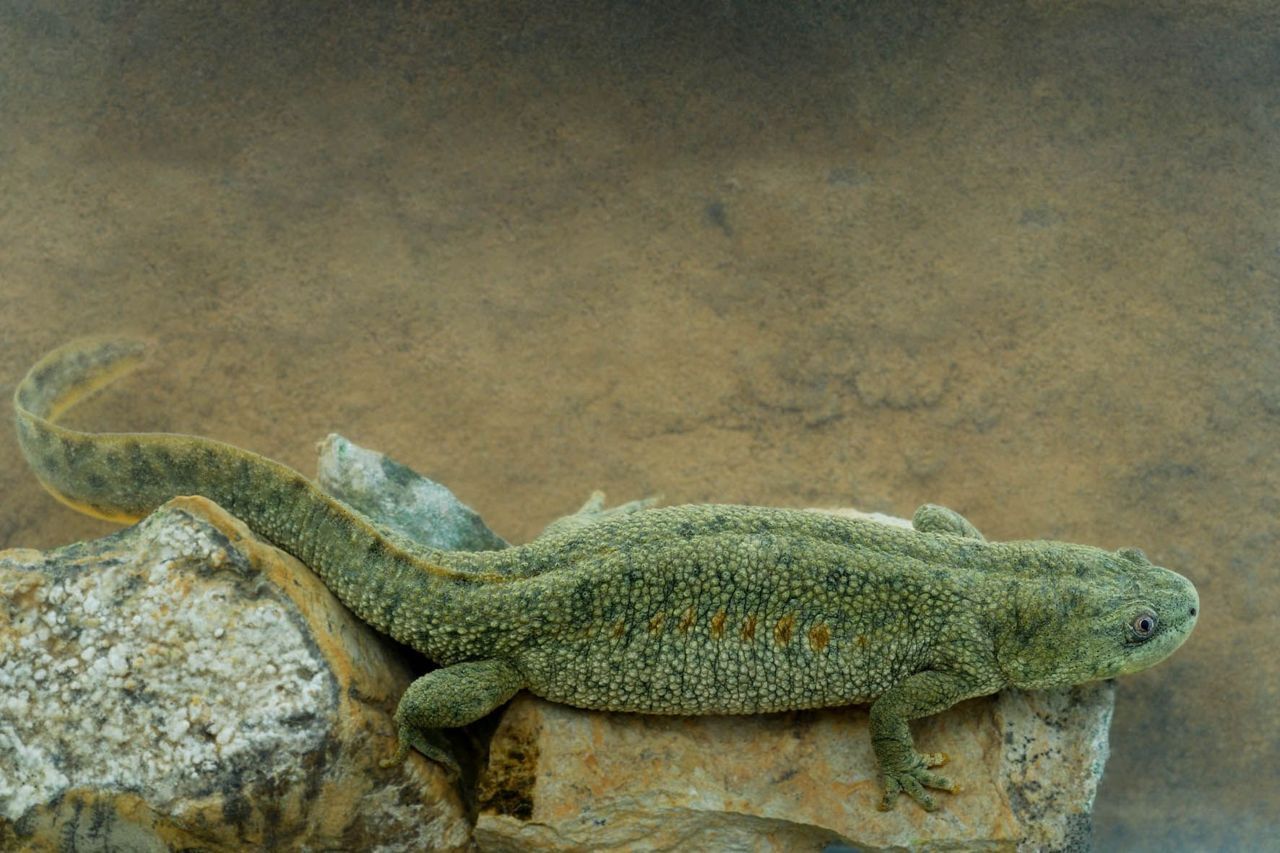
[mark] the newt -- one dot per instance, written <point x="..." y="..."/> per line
<point x="698" y="609"/>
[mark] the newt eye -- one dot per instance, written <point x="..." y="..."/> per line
<point x="1144" y="625"/>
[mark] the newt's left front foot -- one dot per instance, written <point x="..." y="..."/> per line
<point x="913" y="780"/>
<point x="901" y="767"/>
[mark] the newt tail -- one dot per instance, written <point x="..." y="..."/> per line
<point x="123" y="476"/>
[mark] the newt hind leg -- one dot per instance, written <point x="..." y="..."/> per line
<point x="446" y="698"/>
<point x="594" y="510"/>
<point x="931" y="518"/>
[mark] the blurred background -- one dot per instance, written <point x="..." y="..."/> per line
<point x="1022" y="259"/>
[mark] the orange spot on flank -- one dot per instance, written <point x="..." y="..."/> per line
<point x="749" y="628"/>
<point x="686" y="621"/>
<point x="717" y="625"/>
<point x="782" y="630"/>
<point x="819" y="636"/>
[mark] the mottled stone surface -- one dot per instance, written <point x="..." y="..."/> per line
<point x="1054" y="745"/>
<point x="181" y="684"/>
<point x="401" y="499"/>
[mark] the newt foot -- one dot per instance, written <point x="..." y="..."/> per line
<point x="397" y="758"/>
<point x="411" y="738"/>
<point x="914" y="780"/>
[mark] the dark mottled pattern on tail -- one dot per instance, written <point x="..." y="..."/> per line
<point x="389" y="583"/>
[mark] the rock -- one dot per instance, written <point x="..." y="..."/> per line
<point x="181" y="684"/>
<point x="401" y="499"/>
<point x="562" y="779"/>
<point x="1053" y="752"/>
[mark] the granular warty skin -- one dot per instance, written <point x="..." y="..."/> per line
<point x="679" y="610"/>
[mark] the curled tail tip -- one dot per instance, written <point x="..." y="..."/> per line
<point x="87" y="355"/>
<point x="77" y="369"/>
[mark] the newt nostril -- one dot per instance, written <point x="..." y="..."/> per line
<point x="1193" y="611"/>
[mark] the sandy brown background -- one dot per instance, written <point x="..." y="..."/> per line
<point x="1019" y="258"/>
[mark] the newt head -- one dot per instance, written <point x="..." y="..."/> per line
<point x="1086" y="614"/>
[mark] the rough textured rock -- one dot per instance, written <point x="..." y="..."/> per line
<point x="401" y="499"/>
<point x="561" y="779"/>
<point x="181" y="684"/>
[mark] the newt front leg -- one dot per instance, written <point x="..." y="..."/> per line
<point x="901" y="767"/>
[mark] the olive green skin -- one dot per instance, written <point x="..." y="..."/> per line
<point x="682" y="610"/>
